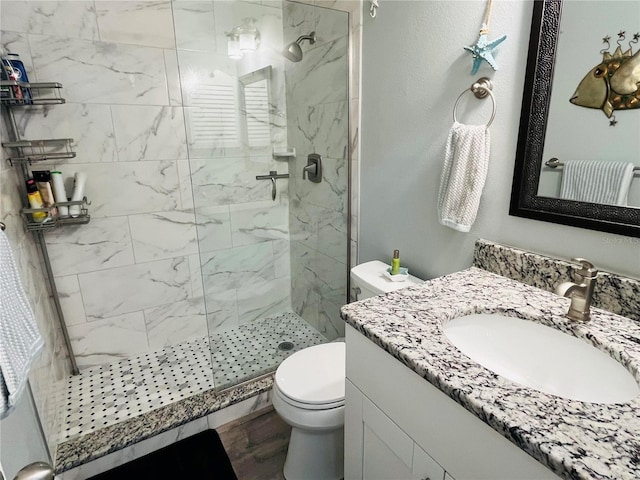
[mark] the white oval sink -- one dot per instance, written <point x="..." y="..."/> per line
<point x="542" y="358"/>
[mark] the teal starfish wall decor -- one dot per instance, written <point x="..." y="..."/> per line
<point x="483" y="50"/>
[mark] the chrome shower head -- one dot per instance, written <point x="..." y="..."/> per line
<point x="293" y="51"/>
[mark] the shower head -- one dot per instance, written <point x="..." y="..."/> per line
<point x="293" y="51"/>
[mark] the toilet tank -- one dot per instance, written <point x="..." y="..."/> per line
<point x="368" y="280"/>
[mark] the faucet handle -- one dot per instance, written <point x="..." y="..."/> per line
<point x="587" y="269"/>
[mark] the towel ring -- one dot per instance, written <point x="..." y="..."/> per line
<point x="481" y="89"/>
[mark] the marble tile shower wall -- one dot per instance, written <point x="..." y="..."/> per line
<point x="318" y="119"/>
<point x="131" y="280"/>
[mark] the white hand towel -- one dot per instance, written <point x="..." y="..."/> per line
<point x="466" y="163"/>
<point x="20" y="341"/>
<point x="596" y="181"/>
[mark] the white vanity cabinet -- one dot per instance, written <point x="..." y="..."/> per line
<point x="398" y="426"/>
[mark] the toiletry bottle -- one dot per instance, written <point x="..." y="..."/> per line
<point x="395" y="263"/>
<point x="21" y="75"/>
<point x="35" y="201"/>
<point x="59" y="192"/>
<point x="78" y="193"/>
<point x="42" y="178"/>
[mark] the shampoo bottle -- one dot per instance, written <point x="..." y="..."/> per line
<point x="59" y="193"/>
<point x="35" y="201"/>
<point x="395" y="263"/>
<point x="78" y="193"/>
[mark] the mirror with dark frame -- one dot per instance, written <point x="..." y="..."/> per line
<point x="527" y="198"/>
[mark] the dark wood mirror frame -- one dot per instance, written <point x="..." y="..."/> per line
<point x="525" y="202"/>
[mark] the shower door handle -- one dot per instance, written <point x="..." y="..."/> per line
<point x="313" y="168"/>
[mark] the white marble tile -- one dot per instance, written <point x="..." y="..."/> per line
<point x="222" y="310"/>
<point x="307" y="80"/>
<point x="128" y="188"/>
<point x="109" y="340"/>
<point x="17" y="43"/>
<point x="322" y="129"/>
<point x="234" y="267"/>
<point x="332" y="234"/>
<point x="330" y="323"/>
<point x="149" y="132"/>
<point x="173" y="77"/>
<point x="121" y="290"/>
<point x="102" y="72"/>
<point x="90" y="126"/>
<point x="139" y="23"/>
<point x="303" y="222"/>
<point x="332" y="192"/>
<point x="259" y="222"/>
<point x="259" y="298"/>
<point x="330" y="279"/>
<point x="226" y="181"/>
<point x="195" y="271"/>
<point x="282" y="258"/>
<point x="195" y="26"/>
<point x="75" y="19"/>
<point x="163" y="235"/>
<point x="176" y="322"/>
<point x="184" y="177"/>
<point x="214" y="228"/>
<point x="71" y="299"/>
<point x="328" y="24"/>
<point x="135" y="451"/>
<point x="239" y="410"/>
<point x="102" y="243"/>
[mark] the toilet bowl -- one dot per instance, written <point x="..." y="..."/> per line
<point x="308" y="393"/>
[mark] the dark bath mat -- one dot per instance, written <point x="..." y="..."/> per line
<point x="201" y="456"/>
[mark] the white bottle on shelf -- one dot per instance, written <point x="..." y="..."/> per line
<point x="78" y="193"/>
<point x="59" y="192"/>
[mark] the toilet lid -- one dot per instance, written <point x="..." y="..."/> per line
<point x="314" y="375"/>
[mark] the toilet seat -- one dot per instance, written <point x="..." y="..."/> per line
<point x="313" y="378"/>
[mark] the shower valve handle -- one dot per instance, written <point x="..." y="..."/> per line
<point x="313" y="168"/>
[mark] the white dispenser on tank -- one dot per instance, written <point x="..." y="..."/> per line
<point x="369" y="279"/>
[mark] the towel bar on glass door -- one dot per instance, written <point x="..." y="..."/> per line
<point x="555" y="163"/>
<point x="480" y="89"/>
<point x="273" y="175"/>
<point x="2" y="226"/>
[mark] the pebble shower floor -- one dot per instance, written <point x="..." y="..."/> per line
<point x="108" y="394"/>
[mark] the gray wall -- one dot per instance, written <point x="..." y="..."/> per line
<point x="414" y="68"/>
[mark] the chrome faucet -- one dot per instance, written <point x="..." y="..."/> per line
<point x="580" y="293"/>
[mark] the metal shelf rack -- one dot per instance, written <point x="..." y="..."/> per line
<point x="28" y="152"/>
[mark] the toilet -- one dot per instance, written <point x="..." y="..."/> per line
<point x="308" y="392"/>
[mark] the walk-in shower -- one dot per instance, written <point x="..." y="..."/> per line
<point x="192" y="276"/>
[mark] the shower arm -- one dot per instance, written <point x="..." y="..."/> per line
<point x="311" y="38"/>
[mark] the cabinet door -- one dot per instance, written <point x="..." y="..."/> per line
<point x="426" y="468"/>
<point x="388" y="451"/>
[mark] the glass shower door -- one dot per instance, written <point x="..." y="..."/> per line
<point x="235" y="92"/>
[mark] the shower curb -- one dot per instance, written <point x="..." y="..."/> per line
<point x="91" y="446"/>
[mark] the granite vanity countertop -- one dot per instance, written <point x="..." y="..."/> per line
<point x="577" y="440"/>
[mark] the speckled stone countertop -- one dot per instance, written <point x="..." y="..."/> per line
<point x="577" y="440"/>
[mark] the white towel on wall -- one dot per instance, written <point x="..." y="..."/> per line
<point x="466" y="163"/>
<point x="20" y="341"/>
<point x="596" y="181"/>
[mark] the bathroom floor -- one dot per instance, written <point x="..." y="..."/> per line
<point x="108" y="394"/>
<point x="257" y="445"/>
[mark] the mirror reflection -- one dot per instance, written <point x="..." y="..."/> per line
<point x="591" y="150"/>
